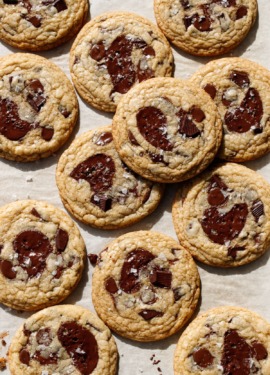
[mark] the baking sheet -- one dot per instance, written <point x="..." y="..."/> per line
<point x="247" y="286"/>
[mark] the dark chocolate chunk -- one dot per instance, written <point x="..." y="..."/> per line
<point x="132" y="138"/>
<point x="161" y="278"/>
<point x="240" y="78"/>
<point x="44" y="337"/>
<point x="134" y="262"/>
<point x="35" y="20"/>
<point x="45" y="360"/>
<point x="80" y="345"/>
<point x="248" y="115"/>
<point x="61" y="239"/>
<point x="24" y="356"/>
<point x="185" y="4"/>
<point x="47" y="133"/>
<point x="257" y="209"/>
<point x="186" y="125"/>
<point x="60" y="5"/>
<point x="35" y="213"/>
<point x="157" y="158"/>
<point x="226" y="101"/>
<point x="93" y="258"/>
<point x="241" y="12"/>
<point x="111" y="286"/>
<point x="237" y="354"/>
<point x="11" y="125"/>
<point x="232" y="251"/>
<point x="63" y="110"/>
<point x="178" y="294"/>
<point x="211" y="90"/>
<point x="35" y="96"/>
<point x="103" y="202"/>
<point x="7" y="270"/>
<point x="150" y="314"/>
<point x="11" y="2"/>
<point x="197" y="114"/>
<point x="260" y="351"/>
<point x="152" y="124"/>
<point x="33" y="248"/>
<point x="202" y="23"/>
<point x="149" y="51"/>
<point x="223" y="227"/>
<point x="216" y="190"/>
<point x="188" y="20"/>
<point x="203" y="358"/>
<point x="97" y="51"/>
<point x="104" y="138"/>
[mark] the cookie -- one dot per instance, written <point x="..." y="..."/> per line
<point x="42" y="255"/>
<point x="38" y="25"/>
<point x="205" y="28"/>
<point x="241" y="90"/>
<point x="114" y="52"/>
<point x="167" y="130"/>
<point x="64" y="339"/>
<point x="223" y="216"/>
<point x="39" y="107"/>
<point x="145" y="286"/>
<point x="98" y="188"/>
<point x="225" y="340"/>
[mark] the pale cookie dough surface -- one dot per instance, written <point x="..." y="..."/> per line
<point x="41" y="255"/>
<point x="223" y="216"/>
<point x="63" y="340"/>
<point x="38" y="105"/>
<point x="98" y="188"/>
<point x="114" y="52"/>
<point x="241" y="90"/>
<point x="205" y="27"/>
<point x="145" y="286"/>
<point x="222" y="341"/>
<point x="167" y="130"/>
<point x="37" y="25"/>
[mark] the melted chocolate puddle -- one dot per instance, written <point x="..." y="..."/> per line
<point x="118" y="60"/>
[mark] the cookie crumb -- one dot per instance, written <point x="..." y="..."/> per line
<point x="3" y="363"/>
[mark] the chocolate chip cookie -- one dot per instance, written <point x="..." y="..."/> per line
<point x="98" y="188"/>
<point x="167" y="130"/>
<point x="205" y="28"/>
<point x="145" y="286"/>
<point x="38" y="107"/>
<point x="38" y="25"/>
<point x="114" y="52"/>
<point x="224" y="340"/>
<point x="241" y="90"/>
<point x="223" y="216"/>
<point x="41" y="255"/>
<point x="65" y="339"/>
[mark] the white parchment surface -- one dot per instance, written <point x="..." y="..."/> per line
<point x="248" y="286"/>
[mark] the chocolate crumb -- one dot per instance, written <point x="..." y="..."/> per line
<point x="93" y="258"/>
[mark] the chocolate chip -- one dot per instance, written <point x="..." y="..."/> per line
<point x="93" y="258"/>
<point x="197" y="114"/>
<point x="111" y="286"/>
<point x="11" y="2"/>
<point x="104" y="138"/>
<point x="134" y="262"/>
<point x="202" y="23"/>
<point x="7" y="270"/>
<point x="240" y="78"/>
<point x="35" y="96"/>
<point x="216" y="191"/>
<point x="186" y="125"/>
<point x="257" y="209"/>
<point x="223" y="227"/>
<point x="185" y="4"/>
<point x="149" y="51"/>
<point x="47" y="133"/>
<point x="241" y="12"/>
<point x="232" y="251"/>
<point x="188" y="20"/>
<point x="35" y="213"/>
<point x="144" y="74"/>
<point x="80" y="345"/>
<point x="43" y="336"/>
<point x="157" y="158"/>
<point x="24" y="356"/>
<point x="132" y="139"/>
<point x="61" y="239"/>
<point x="60" y="5"/>
<point x="103" y="202"/>
<point x="45" y="360"/>
<point x="97" y="51"/>
<point x="211" y="90"/>
<point x="152" y="124"/>
<point x="259" y="351"/>
<point x="248" y="115"/>
<point x="203" y="358"/>
<point x="145" y="197"/>
<point x="35" y="20"/>
<point x="226" y="101"/>
<point x="178" y="294"/>
<point x="161" y="278"/>
<point x="150" y="314"/>
<point x="63" y="110"/>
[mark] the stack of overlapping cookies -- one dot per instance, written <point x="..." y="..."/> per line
<point x="145" y="285"/>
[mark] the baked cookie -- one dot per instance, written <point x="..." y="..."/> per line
<point x="39" y="107"/>
<point x="114" y="52"/>
<point x="38" y="25"/>
<point x="64" y="339"/>
<point x="167" y="130"/>
<point x="145" y="286"/>
<point x="223" y="216"/>
<point x="225" y="340"/>
<point x="205" y="27"/>
<point x="41" y="255"/>
<point x="241" y="90"/>
<point x="98" y="188"/>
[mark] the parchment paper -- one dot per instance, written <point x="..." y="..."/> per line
<point x="248" y="286"/>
